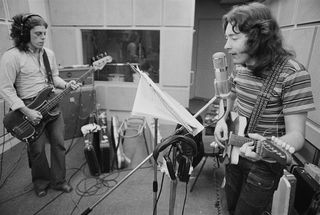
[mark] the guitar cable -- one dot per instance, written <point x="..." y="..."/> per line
<point x="218" y="200"/>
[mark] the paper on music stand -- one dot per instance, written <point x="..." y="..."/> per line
<point x="151" y="101"/>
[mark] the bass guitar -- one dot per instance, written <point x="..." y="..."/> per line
<point x="20" y="127"/>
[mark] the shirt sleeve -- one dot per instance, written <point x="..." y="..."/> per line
<point x="297" y="93"/>
<point x="9" y="68"/>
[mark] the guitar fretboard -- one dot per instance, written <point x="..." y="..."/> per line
<point x="239" y="140"/>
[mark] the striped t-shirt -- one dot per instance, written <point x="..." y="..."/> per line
<point x="292" y="94"/>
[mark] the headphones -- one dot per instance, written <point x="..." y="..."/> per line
<point x="187" y="149"/>
<point x="24" y="19"/>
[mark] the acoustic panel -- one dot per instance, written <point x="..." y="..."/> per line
<point x="77" y="12"/>
<point x="308" y="11"/>
<point x="117" y="97"/>
<point x="301" y="41"/>
<point x="287" y="8"/>
<point x="65" y="45"/>
<point x="148" y="12"/>
<point x="6" y="43"/>
<point x="179" y="12"/>
<point x="2" y="13"/>
<point x="119" y="12"/>
<point x="175" y="56"/>
<point x="18" y="6"/>
<point x="314" y="66"/>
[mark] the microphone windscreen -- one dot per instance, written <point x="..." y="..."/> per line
<point x="219" y="60"/>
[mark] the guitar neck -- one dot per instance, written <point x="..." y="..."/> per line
<point x="53" y="102"/>
<point x="238" y="141"/>
<point x="267" y="149"/>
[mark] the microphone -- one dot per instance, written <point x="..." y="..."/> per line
<point x="222" y="81"/>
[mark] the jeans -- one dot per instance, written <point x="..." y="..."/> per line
<point x="250" y="186"/>
<point x="42" y="174"/>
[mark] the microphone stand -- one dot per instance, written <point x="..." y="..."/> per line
<point x="155" y="185"/>
<point x="174" y="185"/>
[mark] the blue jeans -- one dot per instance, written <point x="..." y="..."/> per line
<point x="250" y="186"/>
<point x="42" y="174"/>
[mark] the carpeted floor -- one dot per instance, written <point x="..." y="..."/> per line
<point x="133" y="197"/>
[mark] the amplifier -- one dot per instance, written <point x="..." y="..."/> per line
<point x="105" y="147"/>
<point x="76" y="108"/>
<point x="91" y="156"/>
<point x="306" y="188"/>
<point x="283" y="197"/>
<point x="69" y="74"/>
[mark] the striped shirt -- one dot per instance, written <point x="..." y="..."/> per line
<point x="292" y="94"/>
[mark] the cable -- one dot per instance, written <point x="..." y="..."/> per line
<point x="218" y="201"/>
<point x="53" y="199"/>
<point x="185" y="199"/>
<point x="160" y="191"/>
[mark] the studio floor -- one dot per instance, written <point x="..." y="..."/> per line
<point x="134" y="196"/>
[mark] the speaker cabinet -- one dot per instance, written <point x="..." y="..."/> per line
<point x="283" y="198"/>
<point x="305" y="189"/>
<point x="69" y="74"/>
<point x="76" y="108"/>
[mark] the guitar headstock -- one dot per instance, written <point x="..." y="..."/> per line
<point x="101" y="60"/>
<point x="275" y="149"/>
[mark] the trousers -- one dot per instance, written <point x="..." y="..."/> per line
<point x="43" y="174"/>
<point x="250" y="186"/>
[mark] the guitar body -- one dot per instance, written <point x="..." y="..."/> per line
<point x="20" y="127"/>
<point x="237" y="125"/>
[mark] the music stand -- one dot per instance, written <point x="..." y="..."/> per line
<point x="173" y="185"/>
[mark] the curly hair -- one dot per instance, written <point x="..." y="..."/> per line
<point x="264" y="42"/>
<point x="21" y="26"/>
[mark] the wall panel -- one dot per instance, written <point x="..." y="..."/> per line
<point x="287" y="10"/>
<point x="5" y="38"/>
<point x="308" y="11"/>
<point x="18" y="6"/>
<point x="2" y="13"/>
<point x="119" y="13"/>
<point x="314" y="69"/>
<point x="175" y="55"/>
<point x="177" y="13"/>
<point x="65" y="45"/>
<point x="77" y="12"/>
<point x="301" y="41"/>
<point x="148" y="12"/>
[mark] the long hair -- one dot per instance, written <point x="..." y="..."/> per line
<point x="21" y="26"/>
<point x="264" y="42"/>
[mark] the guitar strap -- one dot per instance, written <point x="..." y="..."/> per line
<point x="47" y="66"/>
<point x="265" y="93"/>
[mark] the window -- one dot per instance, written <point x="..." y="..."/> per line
<point x="124" y="46"/>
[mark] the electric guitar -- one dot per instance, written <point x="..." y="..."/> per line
<point x="45" y="102"/>
<point x="270" y="150"/>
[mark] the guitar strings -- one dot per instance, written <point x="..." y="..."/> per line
<point x="25" y="125"/>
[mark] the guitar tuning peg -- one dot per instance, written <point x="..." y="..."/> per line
<point x="287" y="147"/>
<point x="291" y="149"/>
<point x="105" y="54"/>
